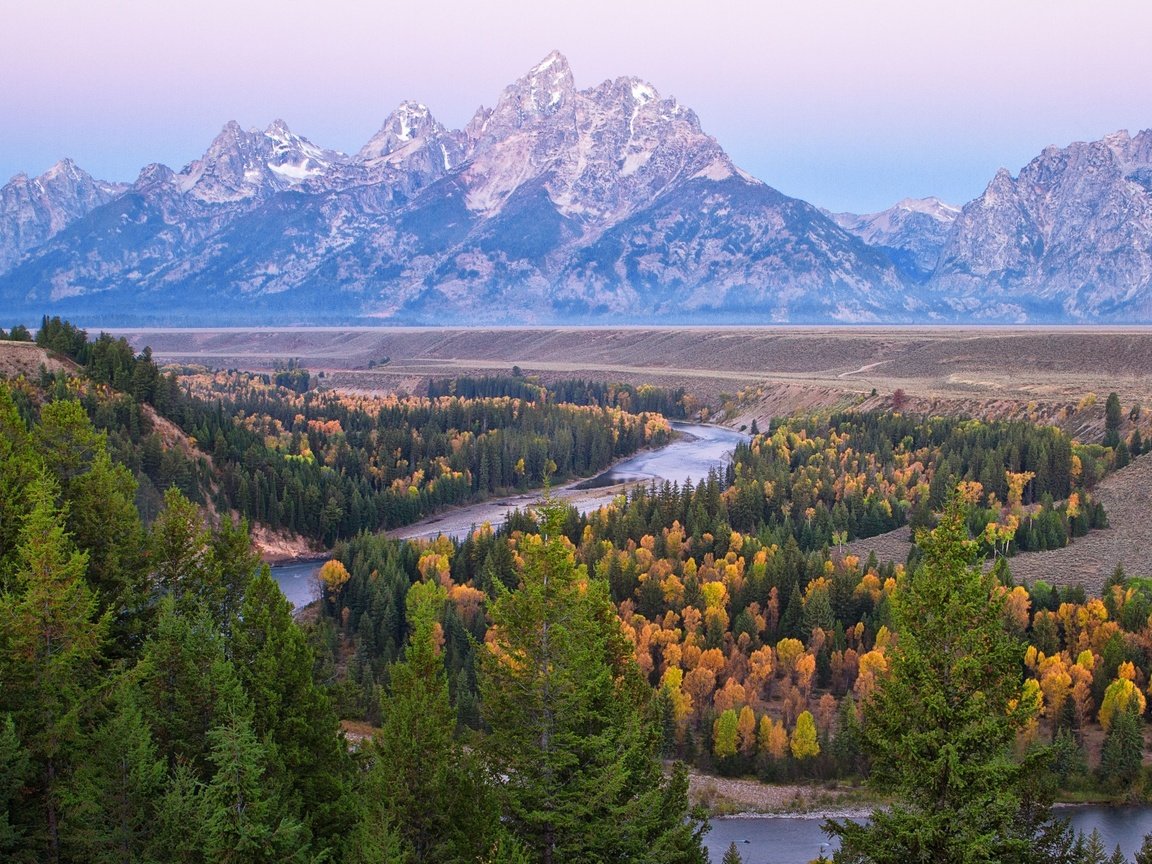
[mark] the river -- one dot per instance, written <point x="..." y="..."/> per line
<point x="799" y="839"/>
<point x="697" y="449"/>
<point x="296" y="580"/>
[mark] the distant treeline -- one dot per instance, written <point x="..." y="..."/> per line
<point x="675" y="404"/>
<point x="328" y="466"/>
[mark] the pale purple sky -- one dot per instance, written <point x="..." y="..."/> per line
<point x="850" y="105"/>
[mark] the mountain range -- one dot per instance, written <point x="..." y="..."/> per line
<point x="562" y="205"/>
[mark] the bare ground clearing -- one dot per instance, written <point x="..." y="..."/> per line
<point x="726" y="796"/>
<point x="1087" y="561"/>
<point x="26" y="358"/>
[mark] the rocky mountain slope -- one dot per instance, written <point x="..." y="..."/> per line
<point x="561" y="204"/>
<point x="1069" y="239"/>
<point x="912" y="232"/>
<point x="604" y="203"/>
<point x="33" y="210"/>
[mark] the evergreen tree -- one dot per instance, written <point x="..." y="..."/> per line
<point x="847" y="746"/>
<point x="1113" y="416"/>
<point x="434" y="792"/>
<point x="181" y="552"/>
<point x="244" y="820"/>
<point x="1144" y="853"/>
<point x="942" y="723"/>
<point x="274" y="663"/>
<point x="1122" y="756"/>
<point x="19" y="467"/>
<point x="561" y="695"/>
<point x="110" y="802"/>
<point x="179" y="830"/>
<point x="732" y="855"/>
<point x="14" y="765"/>
<point x="186" y="685"/>
<point x="104" y="521"/>
<point x="1094" y="851"/>
<point x="50" y="645"/>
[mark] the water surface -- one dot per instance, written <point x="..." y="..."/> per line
<point x="799" y="839"/>
<point x="297" y="581"/>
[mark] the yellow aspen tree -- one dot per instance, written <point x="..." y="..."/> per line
<point x="804" y="744"/>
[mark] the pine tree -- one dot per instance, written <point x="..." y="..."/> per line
<point x="732" y="855"/>
<point x="50" y="645"/>
<point x="14" y="765"/>
<point x="562" y="697"/>
<point x="179" y="829"/>
<point x="19" y="467"/>
<point x="942" y="722"/>
<point x="103" y="519"/>
<point x="1122" y="756"/>
<point x="111" y="799"/>
<point x="1144" y="853"/>
<point x="275" y="665"/>
<point x="433" y="790"/>
<point x="186" y="685"/>
<point x="1094" y="852"/>
<point x="1113" y="416"/>
<point x="847" y="746"/>
<point x="243" y="820"/>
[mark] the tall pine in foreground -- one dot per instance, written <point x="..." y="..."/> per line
<point x="563" y="699"/>
<point x="274" y="662"/>
<point x="424" y="784"/>
<point x="50" y="644"/>
<point x="941" y="725"/>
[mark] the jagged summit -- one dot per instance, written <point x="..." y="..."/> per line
<point x="608" y="203"/>
<point x="35" y="209"/>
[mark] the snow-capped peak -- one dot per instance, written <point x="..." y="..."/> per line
<point x="643" y="92"/>
<point x="930" y="206"/>
<point x="409" y="127"/>
<point x="554" y="59"/>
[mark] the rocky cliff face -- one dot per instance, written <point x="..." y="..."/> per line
<point x="562" y="204"/>
<point x="1069" y="239"/>
<point x="33" y="210"/>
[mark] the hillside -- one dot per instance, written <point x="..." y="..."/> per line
<point x="27" y="358"/>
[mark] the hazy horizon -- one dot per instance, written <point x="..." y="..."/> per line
<point x="846" y="106"/>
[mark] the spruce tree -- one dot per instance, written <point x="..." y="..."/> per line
<point x="50" y="647"/>
<point x="243" y="813"/>
<point x="1144" y="853"/>
<point x="941" y="724"/>
<point x="564" y="699"/>
<point x="186" y="685"/>
<point x="19" y="467"/>
<point x="274" y="662"/>
<point x="433" y="791"/>
<point x="110" y="802"/>
<point x="179" y="829"/>
<point x="14" y="765"/>
<point x="1122" y="756"/>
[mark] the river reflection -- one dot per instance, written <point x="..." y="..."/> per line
<point x="700" y="450"/>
